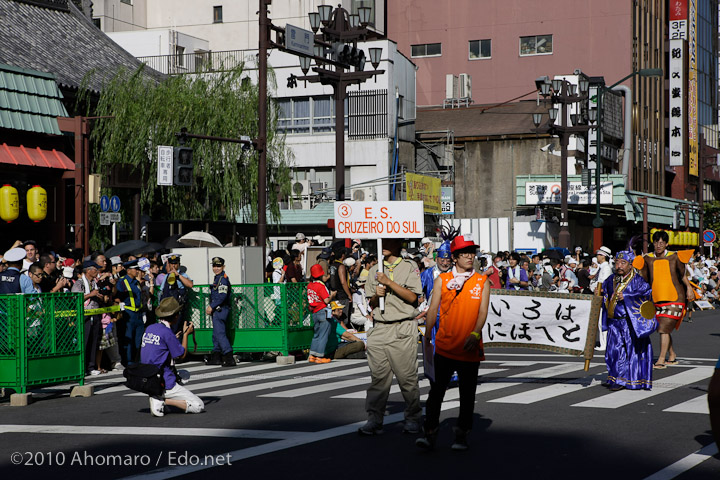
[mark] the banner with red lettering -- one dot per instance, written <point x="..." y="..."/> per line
<point x="367" y="220"/>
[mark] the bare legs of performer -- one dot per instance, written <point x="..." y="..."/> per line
<point x="666" y="349"/>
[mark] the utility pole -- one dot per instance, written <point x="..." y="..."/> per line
<point x="261" y="142"/>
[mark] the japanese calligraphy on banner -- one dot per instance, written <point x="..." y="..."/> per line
<point x="165" y="165"/>
<point x="692" y="101"/>
<point x="559" y="322"/>
<point x="550" y="193"/>
<point x="424" y="189"/>
<point x="379" y="220"/>
<point x="676" y="123"/>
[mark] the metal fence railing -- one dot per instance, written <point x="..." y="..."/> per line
<point x="196" y="62"/>
<point x="41" y="338"/>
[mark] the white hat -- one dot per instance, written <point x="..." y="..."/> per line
<point x="567" y="258"/>
<point x="604" y="251"/>
<point x="116" y="260"/>
<point x="299" y="236"/>
<point x="572" y="261"/>
<point x="14" y="254"/>
<point x="349" y="262"/>
<point x="425" y="240"/>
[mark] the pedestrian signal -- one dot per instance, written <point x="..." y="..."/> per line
<point x="182" y="166"/>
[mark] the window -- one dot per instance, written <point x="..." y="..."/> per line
<point x="304" y="115"/>
<point x="479" y="49"/>
<point x="217" y="14"/>
<point x="426" y="50"/>
<point x="536" y="45"/>
<point x="96" y="22"/>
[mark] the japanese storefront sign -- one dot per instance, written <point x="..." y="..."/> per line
<point x="379" y="220"/>
<point x="676" y="123"/>
<point x="559" y="322"/>
<point x="550" y="193"/>
<point x="447" y="200"/>
<point x="425" y="189"/>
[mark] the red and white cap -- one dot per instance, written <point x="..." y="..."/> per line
<point x="461" y="242"/>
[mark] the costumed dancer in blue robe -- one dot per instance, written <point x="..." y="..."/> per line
<point x="443" y="263"/>
<point x="627" y="304"/>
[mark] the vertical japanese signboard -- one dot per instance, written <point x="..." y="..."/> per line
<point x="692" y="101"/>
<point x="165" y="165"/>
<point x="424" y="189"/>
<point x="678" y="94"/>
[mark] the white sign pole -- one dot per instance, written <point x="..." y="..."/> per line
<point x="114" y="233"/>
<point x="381" y="260"/>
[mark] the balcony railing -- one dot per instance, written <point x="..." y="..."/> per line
<point x="197" y="62"/>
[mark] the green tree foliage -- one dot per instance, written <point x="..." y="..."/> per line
<point x="145" y="114"/>
<point x="711" y="216"/>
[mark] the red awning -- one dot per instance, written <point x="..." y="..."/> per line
<point x="35" y="157"/>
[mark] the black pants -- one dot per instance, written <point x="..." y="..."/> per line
<point x="467" y="379"/>
<point x="93" y="332"/>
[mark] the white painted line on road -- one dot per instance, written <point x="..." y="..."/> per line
<point x="685" y="464"/>
<point x="696" y="405"/>
<point x="282" y="383"/>
<point x="150" y="431"/>
<point x="279" y="372"/>
<point x="299" y="392"/>
<point x="551" y="391"/>
<point x="626" y="397"/>
<point x="553" y="371"/>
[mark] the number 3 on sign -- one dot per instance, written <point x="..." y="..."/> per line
<point x="344" y="210"/>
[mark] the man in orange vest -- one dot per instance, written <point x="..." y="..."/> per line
<point x="463" y="299"/>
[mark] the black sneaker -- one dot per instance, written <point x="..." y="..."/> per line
<point x="215" y="358"/>
<point x="460" y="442"/>
<point x="428" y="441"/>
<point x="370" y="429"/>
<point x="228" y="360"/>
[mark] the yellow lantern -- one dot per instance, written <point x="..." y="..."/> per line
<point x="9" y="203"/>
<point x="37" y="203"/>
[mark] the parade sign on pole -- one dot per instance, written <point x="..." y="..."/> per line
<point x="558" y="322"/>
<point x="378" y="220"/>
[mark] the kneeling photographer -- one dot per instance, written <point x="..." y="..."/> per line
<point x="159" y="348"/>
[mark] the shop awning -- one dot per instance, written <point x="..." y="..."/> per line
<point x="35" y="157"/>
<point x="663" y="211"/>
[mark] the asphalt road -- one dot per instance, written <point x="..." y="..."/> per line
<point x="538" y="415"/>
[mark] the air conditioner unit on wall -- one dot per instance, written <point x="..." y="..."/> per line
<point x="301" y="188"/>
<point x="366" y="194"/>
<point x="451" y="86"/>
<point x="304" y="204"/>
<point x="465" y="85"/>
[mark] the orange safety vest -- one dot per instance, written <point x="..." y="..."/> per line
<point x="458" y="314"/>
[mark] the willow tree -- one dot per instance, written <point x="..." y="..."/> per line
<point x="142" y="114"/>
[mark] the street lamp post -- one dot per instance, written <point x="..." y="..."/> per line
<point x="565" y="94"/>
<point x="598" y="221"/>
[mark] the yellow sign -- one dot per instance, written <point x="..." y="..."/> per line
<point x="425" y="189"/>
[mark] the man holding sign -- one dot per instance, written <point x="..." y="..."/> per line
<point x="392" y="343"/>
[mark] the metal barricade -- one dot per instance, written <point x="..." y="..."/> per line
<point x="263" y="317"/>
<point x="41" y="339"/>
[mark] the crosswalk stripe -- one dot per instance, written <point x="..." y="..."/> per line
<point x="696" y="405"/>
<point x="626" y="397"/>
<point x="554" y="371"/>
<point x="551" y="391"/>
<point x="299" y="392"/>
<point x="280" y="372"/>
<point x="281" y="383"/>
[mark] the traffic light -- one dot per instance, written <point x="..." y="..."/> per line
<point x="349" y="55"/>
<point x="183" y="166"/>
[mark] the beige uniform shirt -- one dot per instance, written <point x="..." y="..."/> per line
<point x="405" y="274"/>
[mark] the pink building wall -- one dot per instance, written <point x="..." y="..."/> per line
<point x="594" y="36"/>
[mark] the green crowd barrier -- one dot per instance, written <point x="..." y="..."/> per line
<point x="41" y="339"/>
<point x="263" y="317"/>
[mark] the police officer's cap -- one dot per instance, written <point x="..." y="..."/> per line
<point x="218" y="262"/>
<point x="131" y="264"/>
<point x="14" y="254"/>
<point x="174" y="258"/>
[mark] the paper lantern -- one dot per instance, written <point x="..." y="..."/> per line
<point x="9" y="203"/>
<point x="37" y="203"/>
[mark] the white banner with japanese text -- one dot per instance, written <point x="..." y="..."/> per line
<point x="559" y="322"/>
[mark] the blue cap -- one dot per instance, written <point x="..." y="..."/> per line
<point x="627" y="255"/>
<point x="444" y="250"/>
<point x="90" y="264"/>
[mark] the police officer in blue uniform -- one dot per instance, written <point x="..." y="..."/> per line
<point x="131" y="323"/>
<point x="219" y="308"/>
<point x="10" y="278"/>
